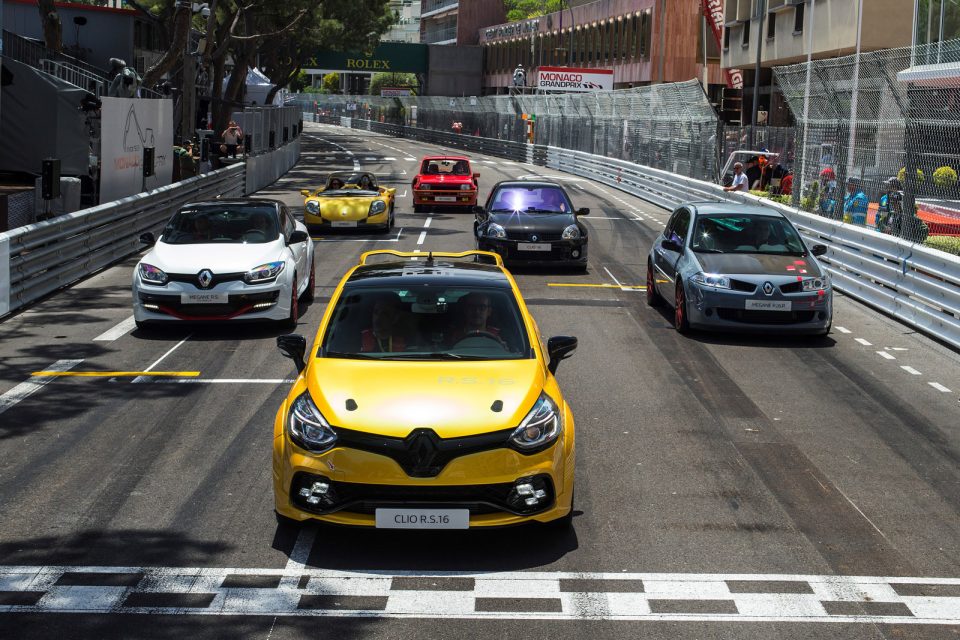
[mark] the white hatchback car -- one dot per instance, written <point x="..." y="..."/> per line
<point x="225" y="260"/>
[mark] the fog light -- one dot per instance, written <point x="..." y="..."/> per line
<point x="524" y="489"/>
<point x="575" y="253"/>
<point x="314" y="499"/>
<point x="320" y="488"/>
<point x="263" y="305"/>
<point x="152" y="307"/>
<point x="531" y="501"/>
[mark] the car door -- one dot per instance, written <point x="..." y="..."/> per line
<point x="667" y="260"/>
<point x="298" y="249"/>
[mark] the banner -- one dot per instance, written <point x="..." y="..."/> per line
<point x="574" y="80"/>
<point x="713" y="10"/>
<point x="129" y="125"/>
<point x="394" y="92"/>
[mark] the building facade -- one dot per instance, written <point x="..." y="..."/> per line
<point x="788" y="31"/>
<point x="641" y="41"/>
<point x="407" y="25"/>
<point x="457" y="21"/>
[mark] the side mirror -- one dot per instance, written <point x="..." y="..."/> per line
<point x="818" y="249"/>
<point x="305" y="193"/>
<point x="560" y="348"/>
<point x="297" y="237"/>
<point x="583" y="211"/>
<point x="670" y="245"/>
<point x="147" y="239"/>
<point x="294" y="347"/>
<point x="478" y="210"/>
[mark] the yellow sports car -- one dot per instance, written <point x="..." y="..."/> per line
<point x="426" y="401"/>
<point x="349" y="200"/>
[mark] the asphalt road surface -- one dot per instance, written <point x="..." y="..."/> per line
<point x="727" y="486"/>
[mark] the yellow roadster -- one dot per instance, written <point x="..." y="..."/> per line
<point x="349" y="200"/>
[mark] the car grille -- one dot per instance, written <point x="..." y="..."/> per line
<point x="527" y="236"/>
<point x="791" y="287"/>
<point x="192" y="278"/>
<point x="741" y="285"/>
<point x="422" y="453"/>
<point x="238" y="304"/>
<point x="367" y="498"/>
<point x="749" y="316"/>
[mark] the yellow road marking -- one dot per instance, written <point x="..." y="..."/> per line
<point x="117" y="374"/>
<point x="598" y="286"/>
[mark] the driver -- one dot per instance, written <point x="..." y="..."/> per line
<point x="335" y="184"/>
<point x="259" y="223"/>
<point x="365" y="182"/>
<point x="551" y="200"/>
<point x="384" y="334"/>
<point x="202" y="229"/>
<point x="474" y="318"/>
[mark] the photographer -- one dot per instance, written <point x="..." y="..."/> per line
<point x="232" y="139"/>
<point x="891" y="208"/>
<point x="124" y="82"/>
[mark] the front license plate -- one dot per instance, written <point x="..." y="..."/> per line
<point x="769" y="305"/>
<point x="423" y="518"/>
<point x="343" y="223"/>
<point x="208" y="297"/>
<point x="446" y="199"/>
<point x="533" y="246"/>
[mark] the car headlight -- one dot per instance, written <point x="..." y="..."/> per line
<point x="712" y="280"/>
<point x="424" y="187"/>
<point x="815" y="284"/>
<point x="150" y="274"/>
<point x="378" y="206"/>
<point x="571" y="233"/>
<point x="542" y="426"/>
<point x="264" y="273"/>
<point x="495" y="231"/>
<point x="313" y="207"/>
<point x="307" y="426"/>
<point x="466" y="187"/>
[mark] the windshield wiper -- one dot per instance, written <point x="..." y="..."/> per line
<point x="440" y="355"/>
<point x="703" y="250"/>
<point x="350" y="356"/>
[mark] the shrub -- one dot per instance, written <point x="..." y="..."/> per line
<point x="947" y="244"/>
<point x="902" y="175"/>
<point x="945" y="177"/>
<point x="810" y="199"/>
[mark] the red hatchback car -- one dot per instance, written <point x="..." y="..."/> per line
<point x="445" y="181"/>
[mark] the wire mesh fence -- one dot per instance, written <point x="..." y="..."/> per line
<point x="667" y="126"/>
<point x="876" y="149"/>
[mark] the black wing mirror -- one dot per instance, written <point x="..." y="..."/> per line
<point x="670" y="245"/>
<point x="148" y="239"/>
<point x="478" y="210"/>
<point x="294" y="346"/>
<point x="583" y="211"/>
<point x="818" y="249"/>
<point x="560" y="348"/>
<point x="297" y="237"/>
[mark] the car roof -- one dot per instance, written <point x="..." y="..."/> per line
<point x="528" y="184"/>
<point x="409" y="273"/>
<point x="233" y="202"/>
<point x="711" y="208"/>
<point x="446" y="158"/>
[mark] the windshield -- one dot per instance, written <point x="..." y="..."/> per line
<point x="223" y="225"/>
<point x="539" y="199"/>
<point x="445" y="167"/>
<point x="426" y="322"/>
<point x="350" y="182"/>
<point x="733" y="233"/>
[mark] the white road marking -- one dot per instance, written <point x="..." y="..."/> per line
<point x="386" y="159"/>
<point x="426" y="223"/>
<point x="403" y="195"/>
<point x="140" y="379"/>
<point x="410" y="159"/>
<point x="423" y="236"/>
<point x="885" y="355"/>
<point x="370" y="159"/>
<point x="572" y="596"/>
<point x="121" y="329"/>
<point x="843" y="330"/>
<point x="939" y="387"/>
<point x="910" y="370"/>
<point x="864" y="342"/>
<point x="25" y="389"/>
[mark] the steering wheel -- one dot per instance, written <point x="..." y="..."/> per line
<point x="482" y="334"/>
<point x="257" y="233"/>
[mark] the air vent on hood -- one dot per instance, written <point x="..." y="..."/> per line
<point x="497" y="406"/>
<point x="351" y="404"/>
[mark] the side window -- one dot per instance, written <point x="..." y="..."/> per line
<point x="681" y="223"/>
<point x="288" y="224"/>
<point x="668" y="230"/>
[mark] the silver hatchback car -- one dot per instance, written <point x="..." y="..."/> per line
<point x="738" y="268"/>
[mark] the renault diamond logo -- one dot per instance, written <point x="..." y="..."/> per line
<point x="205" y="277"/>
<point x="344" y="212"/>
<point x="423" y="449"/>
<point x="768" y="288"/>
<point x="534" y="238"/>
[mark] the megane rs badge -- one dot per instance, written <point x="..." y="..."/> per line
<point x="205" y="277"/>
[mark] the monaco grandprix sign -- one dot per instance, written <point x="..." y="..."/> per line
<point x="574" y="80"/>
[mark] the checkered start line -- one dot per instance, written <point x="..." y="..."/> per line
<point x="521" y="595"/>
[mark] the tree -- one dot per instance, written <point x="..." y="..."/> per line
<point x="52" y="28"/>
<point x="301" y="82"/>
<point x="525" y="9"/>
<point x="331" y="83"/>
<point x="404" y="80"/>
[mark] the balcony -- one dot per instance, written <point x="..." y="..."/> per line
<point x="443" y="35"/>
<point x="432" y="7"/>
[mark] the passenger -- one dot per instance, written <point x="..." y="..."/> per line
<point x="334" y="184"/>
<point x="384" y="334"/>
<point x="551" y="200"/>
<point x="461" y="168"/>
<point x="365" y="182"/>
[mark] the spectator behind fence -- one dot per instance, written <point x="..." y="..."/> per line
<point x="739" y="179"/>
<point x="232" y="139"/>
<point x="855" y="203"/>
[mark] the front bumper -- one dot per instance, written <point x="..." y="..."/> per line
<point x="431" y="198"/>
<point x="562" y="252"/>
<point x="244" y="302"/>
<point x="723" y="309"/>
<point x="318" y="222"/>
<point x="362" y="481"/>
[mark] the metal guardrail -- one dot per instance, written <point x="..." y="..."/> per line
<point x="917" y="285"/>
<point x="42" y="257"/>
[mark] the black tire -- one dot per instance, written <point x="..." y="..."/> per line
<point x="564" y="523"/>
<point x="309" y="294"/>
<point x="284" y="521"/>
<point x="418" y="208"/>
<point x="654" y="299"/>
<point x="680" y="320"/>
<point x="142" y="326"/>
<point x="291" y="321"/>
